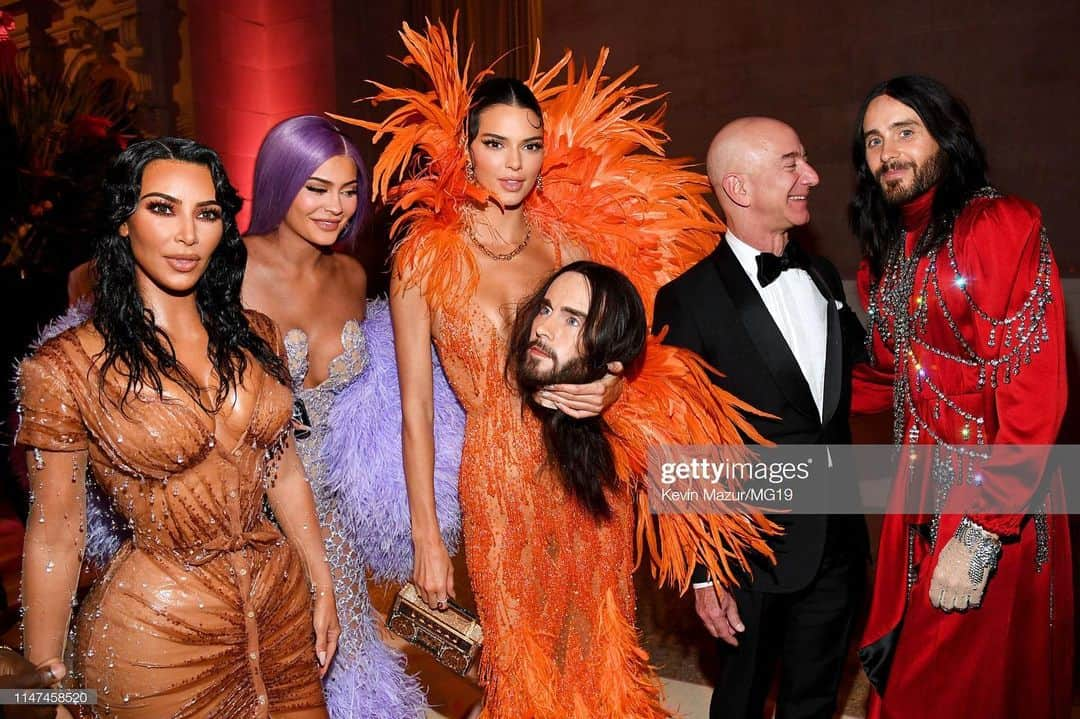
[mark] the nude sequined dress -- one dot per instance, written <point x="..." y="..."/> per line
<point x="206" y="611"/>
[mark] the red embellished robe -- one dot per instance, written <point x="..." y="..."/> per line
<point x="984" y="359"/>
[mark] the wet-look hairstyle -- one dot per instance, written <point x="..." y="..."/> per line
<point x="289" y="154"/>
<point x="614" y="330"/>
<point x="499" y="91"/>
<point x="874" y="221"/>
<point x="135" y="346"/>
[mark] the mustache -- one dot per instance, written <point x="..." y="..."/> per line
<point x="538" y="344"/>
<point x="893" y="165"/>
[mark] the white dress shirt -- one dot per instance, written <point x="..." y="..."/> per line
<point x="799" y="311"/>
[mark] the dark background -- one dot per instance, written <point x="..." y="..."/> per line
<point x="809" y="64"/>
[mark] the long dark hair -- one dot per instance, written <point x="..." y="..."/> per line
<point x="873" y="220"/>
<point x="498" y="91"/>
<point x="134" y="345"/>
<point x="614" y="331"/>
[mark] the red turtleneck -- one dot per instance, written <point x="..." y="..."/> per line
<point x="916" y="216"/>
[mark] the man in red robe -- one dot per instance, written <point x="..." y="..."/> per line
<point x="972" y="607"/>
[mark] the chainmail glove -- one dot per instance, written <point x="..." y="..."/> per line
<point x="963" y="568"/>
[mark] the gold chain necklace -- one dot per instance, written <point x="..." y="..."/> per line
<point x="499" y="256"/>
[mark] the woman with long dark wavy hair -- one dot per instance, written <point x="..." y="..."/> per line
<point x="177" y="401"/>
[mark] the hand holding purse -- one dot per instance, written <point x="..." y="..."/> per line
<point x="453" y="636"/>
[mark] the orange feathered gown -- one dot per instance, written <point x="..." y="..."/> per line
<point x="552" y="583"/>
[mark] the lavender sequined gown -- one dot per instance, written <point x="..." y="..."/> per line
<point x="367" y="678"/>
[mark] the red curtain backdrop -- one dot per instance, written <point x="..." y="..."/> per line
<point x="254" y="63"/>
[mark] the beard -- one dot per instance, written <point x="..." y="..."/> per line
<point x="925" y="176"/>
<point x="531" y="377"/>
<point x="576" y="450"/>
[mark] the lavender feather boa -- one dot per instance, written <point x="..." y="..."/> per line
<point x="364" y="455"/>
<point x="376" y="686"/>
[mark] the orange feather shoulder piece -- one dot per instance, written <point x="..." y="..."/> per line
<point x="421" y="170"/>
<point x="608" y="188"/>
<point x="670" y="401"/>
<point x="607" y="184"/>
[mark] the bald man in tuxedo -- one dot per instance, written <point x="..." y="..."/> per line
<point x="774" y="321"/>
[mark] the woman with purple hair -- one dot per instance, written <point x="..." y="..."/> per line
<point x="311" y="196"/>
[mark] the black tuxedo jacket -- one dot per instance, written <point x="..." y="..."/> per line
<point x="714" y="310"/>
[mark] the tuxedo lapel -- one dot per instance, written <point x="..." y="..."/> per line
<point x="834" y="350"/>
<point x="763" y="332"/>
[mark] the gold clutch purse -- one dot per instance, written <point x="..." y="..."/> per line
<point x="452" y="636"/>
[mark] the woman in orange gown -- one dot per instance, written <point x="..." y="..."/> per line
<point x="515" y="180"/>
<point x="178" y="403"/>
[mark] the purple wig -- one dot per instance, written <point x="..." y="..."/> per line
<point x="288" y="156"/>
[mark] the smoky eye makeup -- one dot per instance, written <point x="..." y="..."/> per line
<point x="159" y="206"/>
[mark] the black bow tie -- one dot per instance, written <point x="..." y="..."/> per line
<point x="769" y="266"/>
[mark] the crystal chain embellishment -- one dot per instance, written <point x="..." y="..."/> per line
<point x="898" y="312"/>
<point x="986" y="548"/>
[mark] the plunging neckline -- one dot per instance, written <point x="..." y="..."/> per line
<point x="197" y="412"/>
<point x="497" y="327"/>
<point x="306" y="359"/>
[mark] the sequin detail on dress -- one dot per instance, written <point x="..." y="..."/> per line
<point x="367" y="678"/>
<point x="206" y="610"/>
<point x="552" y="584"/>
